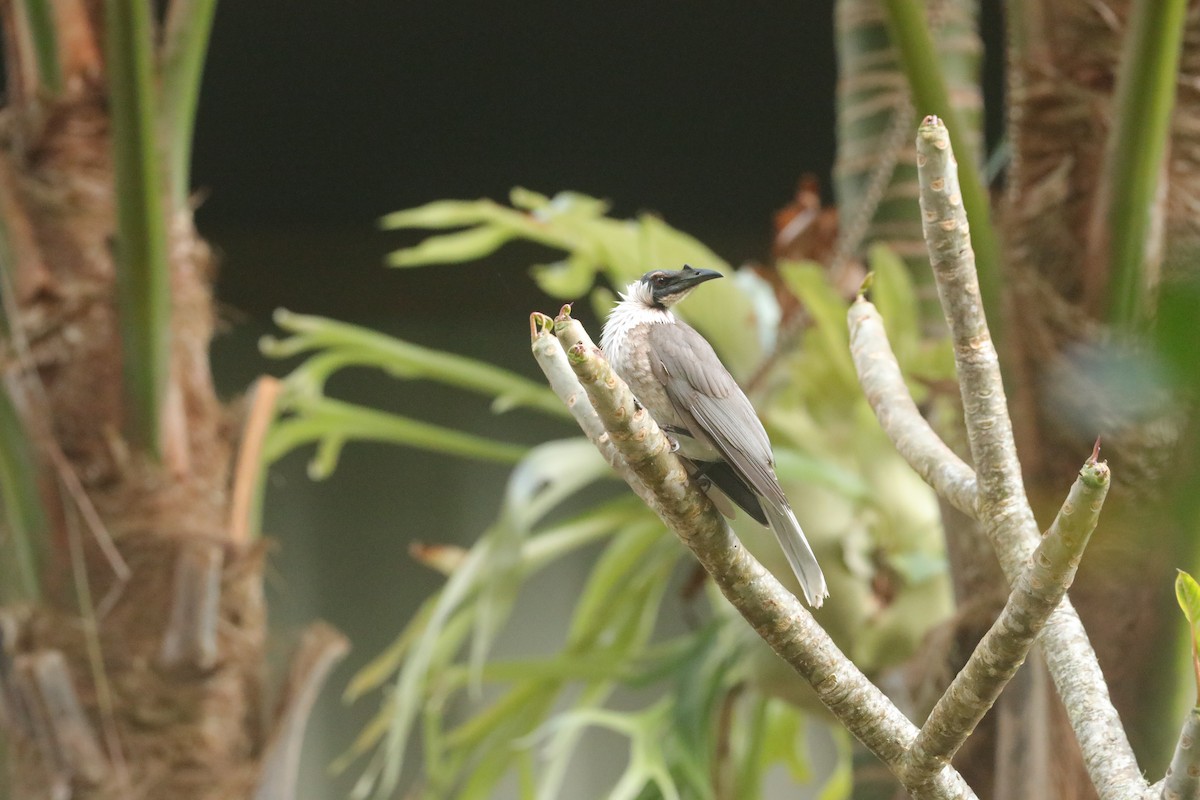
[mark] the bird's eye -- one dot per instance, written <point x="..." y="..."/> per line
<point x="660" y="280"/>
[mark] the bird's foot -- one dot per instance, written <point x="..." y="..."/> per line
<point x="672" y="434"/>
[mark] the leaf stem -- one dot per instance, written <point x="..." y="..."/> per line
<point x="22" y="501"/>
<point x="910" y="33"/>
<point x="141" y="248"/>
<point x="1145" y="97"/>
<point x="40" y="17"/>
<point x="185" y="43"/>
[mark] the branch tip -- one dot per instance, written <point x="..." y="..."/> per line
<point x="539" y="325"/>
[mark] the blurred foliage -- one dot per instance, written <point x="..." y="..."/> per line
<point x="700" y="709"/>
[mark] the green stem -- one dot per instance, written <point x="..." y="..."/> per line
<point x="185" y="43"/>
<point x="1145" y="97"/>
<point x="332" y="422"/>
<point x="141" y="248"/>
<point x="22" y="501"/>
<point x="910" y="33"/>
<point x="350" y="345"/>
<point x="40" y="16"/>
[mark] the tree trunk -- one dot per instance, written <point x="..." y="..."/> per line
<point x="1070" y="381"/>
<point x="140" y="671"/>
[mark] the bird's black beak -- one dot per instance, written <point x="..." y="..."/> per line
<point x="690" y="277"/>
<point x="669" y="286"/>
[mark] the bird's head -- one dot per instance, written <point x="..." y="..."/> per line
<point x="664" y="288"/>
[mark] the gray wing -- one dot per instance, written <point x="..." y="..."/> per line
<point x="706" y="395"/>
<point x="715" y="409"/>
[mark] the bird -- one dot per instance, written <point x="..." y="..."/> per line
<point x="675" y="375"/>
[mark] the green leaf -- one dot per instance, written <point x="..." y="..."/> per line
<point x="840" y="784"/>
<point x="526" y="199"/>
<point x="380" y="668"/>
<point x="452" y="248"/>
<point x="793" y="466"/>
<point x="547" y="476"/>
<point x="807" y="281"/>
<point x="621" y="249"/>
<point x="569" y="279"/>
<point x="893" y="294"/>
<point x="608" y="579"/>
<point x="339" y="345"/>
<point x="444" y="214"/>
<point x="784" y="739"/>
<point x="1187" y="593"/>
<point x="331" y="422"/>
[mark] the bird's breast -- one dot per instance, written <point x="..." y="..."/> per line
<point x="631" y="358"/>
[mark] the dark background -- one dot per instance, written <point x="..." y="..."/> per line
<point x="321" y="117"/>
<point x="317" y="118"/>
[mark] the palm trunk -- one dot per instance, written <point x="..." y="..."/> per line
<point x="137" y="669"/>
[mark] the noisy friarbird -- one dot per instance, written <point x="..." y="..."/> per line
<point x="676" y="376"/>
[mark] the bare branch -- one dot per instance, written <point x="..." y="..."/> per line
<point x="1003" y="506"/>
<point x="1006" y="644"/>
<point x="778" y="617"/>
<point x="915" y="440"/>
<point x="985" y="410"/>
<point x="1183" y="776"/>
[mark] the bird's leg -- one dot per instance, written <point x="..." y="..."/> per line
<point x="673" y="432"/>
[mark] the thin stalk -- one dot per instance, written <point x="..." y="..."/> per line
<point x="185" y="43"/>
<point x="22" y="501"/>
<point x="331" y="423"/>
<point x="39" y="15"/>
<point x="141" y="251"/>
<point x="910" y="33"/>
<point x="1145" y="97"/>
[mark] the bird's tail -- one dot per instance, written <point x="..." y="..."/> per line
<point x="799" y="554"/>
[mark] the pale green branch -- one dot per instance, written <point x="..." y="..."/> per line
<point x="885" y="390"/>
<point x="1004" y="647"/>
<point x="553" y="361"/>
<point x="1009" y="521"/>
